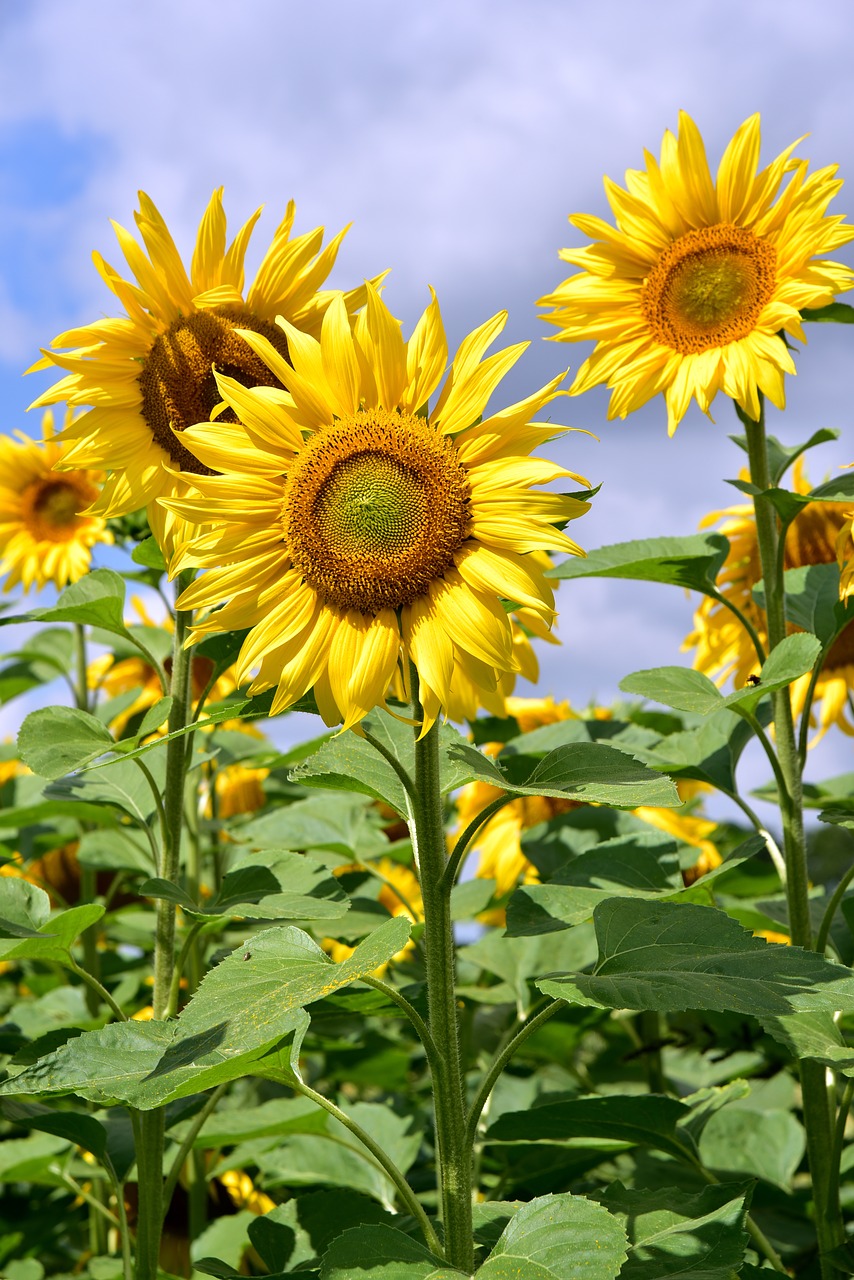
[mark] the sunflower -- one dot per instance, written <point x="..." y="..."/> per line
<point x="43" y="535"/>
<point x="148" y="374"/>
<point x="692" y="291"/>
<point x="499" y="840"/>
<point x="356" y="530"/>
<point x="723" y="647"/>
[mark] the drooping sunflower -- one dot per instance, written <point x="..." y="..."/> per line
<point x="44" y="535"/>
<point x="356" y="529"/>
<point x="723" y="647"/>
<point x="691" y="292"/>
<point x="148" y="374"/>
<point x="499" y="841"/>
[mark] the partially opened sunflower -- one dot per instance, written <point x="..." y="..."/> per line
<point x="723" y="647"/>
<point x="148" y="374"/>
<point x="693" y="289"/>
<point x="46" y="529"/>
<point x="358" y="528"/>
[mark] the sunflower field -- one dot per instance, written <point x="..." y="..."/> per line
<point x="470" y="982"/>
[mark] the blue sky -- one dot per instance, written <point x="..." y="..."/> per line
<point x="456" y="138"/>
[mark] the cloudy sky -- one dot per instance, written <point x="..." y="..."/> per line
<point x="456" y="137"/>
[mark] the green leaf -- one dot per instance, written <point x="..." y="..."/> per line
<point x="149" y="555"/>
<point x="758" y="1144"/>
<point x="55" y="939"/>
<point x="560" y="1237"/>
<point x="690" y="1236"/>
<point x="242" y="1010"/>
<point x="812" y="600"/>
<point x="381" y="1253"/>
<point x="677" y="687"/>
<point x="794" y="656"/>
<point x="33" y="1159"/>
<point x="671" y="957"/>
<point x="837" y="489"/>
<point x="584" y="771"/>
<point x="833" y="313"/>
<point x="708" y="753"/>
<point x="688" y="690"/>
<point x="631" y="866"/>
<point x="54" y="741"/>
<point x="813" y="1035"/>
<point x="96" y="600"/>
<point x="693" y="561"/>
<point x="154" y="717"/>
<point x="349" y="762"/>
<point x="646" y="1121"/>
<point x="84" y="1131"/>
<point x="342" y="824"/>
<point x="124" y="787"/>
<point x="242" y="1124"/>
<point x="272" y="884"/>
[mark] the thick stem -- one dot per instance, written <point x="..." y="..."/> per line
<point x="151" y="1123"/>
<point x="148" y="1132"/>
<point x="453" y="1151"/>
<point x="818" y="1113"/>
<point x="177" y="754"/>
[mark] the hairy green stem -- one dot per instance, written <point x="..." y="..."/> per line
<point x="177" y="753"/>
<point x="817" y="1110"/>
<point x="453" y="1151"/>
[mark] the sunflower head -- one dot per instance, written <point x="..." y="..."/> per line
<point x="692" y="290"/>
<point x="47" y="530"/>
<point x="357" y="526"/>
<point x="149" y="373"/>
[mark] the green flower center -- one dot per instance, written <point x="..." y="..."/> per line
<point x="708" y="288"/>
<point x="375" y="506"/>
<point x="177" y="382"/>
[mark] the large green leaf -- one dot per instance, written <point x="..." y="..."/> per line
<point x="243" y="1008"/>
<point x="560" y="1237"/>
<point x="673" y="1233"/>
<point x="346" y="825"/>
<point x="646" y="1121"/>
<point x="96" y="600"/>
<point x="27" y="932"/>
<point x="812" y="600"/>
<point x="54" y="741"/>
<point x="270" y="884"/>
<point x="693" y="561"/>
<point x="627" y="866"/>
<point x="688" y="690"/>
<point x="759" y="1144"/>
<point x="350" y="762"/>
<point x="709" y="752"/>
<point x="583" y="771"/>
<point x="669" y="956"/>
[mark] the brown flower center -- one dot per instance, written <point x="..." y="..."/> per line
<point x="177" y="381"/>
<point x="708" y="288"/>
<point x="375" y="506"/>
<point x="50" y="506"/>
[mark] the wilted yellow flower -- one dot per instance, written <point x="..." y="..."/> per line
<point x="46" y="531"/>
<point x="356" y="529"/>
<point x="692" y="291"/>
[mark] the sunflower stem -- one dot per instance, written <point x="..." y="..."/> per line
<point x="453" y="1150"/>
<point x="152" y="1123"/>
<point x="817" y="1108"/>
